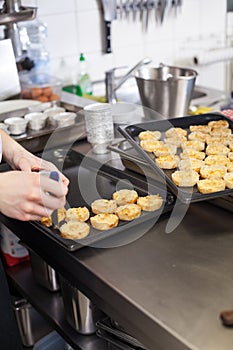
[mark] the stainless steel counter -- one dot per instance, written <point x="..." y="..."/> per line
<point x="166" y="289"/>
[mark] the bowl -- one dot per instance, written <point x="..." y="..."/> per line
<point x="65" y="119"/>
<point x="36" y="120"/>
<point x="16" y="125"/>
<point x="4" y="127"/>
<point x="51" y="112"/>
<point x="40" y="107"/>
<point x="41" y="87"/>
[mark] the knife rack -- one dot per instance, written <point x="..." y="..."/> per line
<point x="140" y="8"/>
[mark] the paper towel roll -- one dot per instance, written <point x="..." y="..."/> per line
<point x="213" y="56"/>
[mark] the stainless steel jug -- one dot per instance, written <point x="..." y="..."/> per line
<point x="166" y="89"/>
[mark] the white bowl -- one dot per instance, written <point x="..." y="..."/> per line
<point x="4" y="127"/>
<point x="16" y="125"/>
<point x="51" y="112"/>
<point x="65" y="119"/>
<point x="36" y="120"/>
<point x="40" y="107"/>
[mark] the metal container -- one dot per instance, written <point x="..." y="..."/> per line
<point x="32" y="326"/>
<point x="81" y="313"/>
<point x="43" y="273"/>
<point x="166" y="89"/>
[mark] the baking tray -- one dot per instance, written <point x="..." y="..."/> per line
<point x="106" y="325"/>
<point x="113" y="342"/>
<point x="132" y="160"/>
<point x="88" y="183"/>
<point x="185" y="194"/>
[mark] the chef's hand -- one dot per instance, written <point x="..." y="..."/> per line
<point x="26" y="195"/>
<point x="21" y="159"/>
<point x="26" y="161"/>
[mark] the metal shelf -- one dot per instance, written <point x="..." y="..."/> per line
<point x="50" y="305"/>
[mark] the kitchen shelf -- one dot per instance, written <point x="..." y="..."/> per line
<point x="50" y="305"/>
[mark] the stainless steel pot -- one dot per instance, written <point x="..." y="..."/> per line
<point x="166" y="89"/>
<point x="81" y="313"/>
<point x="32" y="326"/>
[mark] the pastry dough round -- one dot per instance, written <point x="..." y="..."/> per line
<point x="213" y="171"/>
<point x="218" y="149"/>
<point x="218" y="123"/>
<point x="128" y="212"/>
<point x="210" y="139"/>
<point x="215" y="159"/>
<point x="184" y="178"/>
<point x="149" y="135"/>
<point x="211" y="185"/>
<point x="197" y="135"/>
<point x="218" y="132"/>
<point x="61" y="214"/>
<point x="165" y="150"/>
<point x="46" y="221"/>
<point x="104" y="221"/>
<point x="176" y="132"/>
<point x="177" y="141"/>
<point x="125" y="196"/>
<point x="230" y="156"/>
<point x="75" y="230"/>
<point x="150" y="202"/>
<point x="230" y="145"/>
<point x="194" y="144"/>
<point x="230" y="167"/>
<point x="192" y="153"/>
<point x="228" y="178"/>
<point x="80" y="214"/>
<point x="150" y="145"/>
<point x="190" y="164"/>
<point x="167" y="162"/>
<point x="206" y="129"/>
<point x="103" y="206"/>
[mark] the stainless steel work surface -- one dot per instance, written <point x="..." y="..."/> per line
<point x="166" y="290"/>
<point x="172" y="284"/>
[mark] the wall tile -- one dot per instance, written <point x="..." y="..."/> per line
<point x="62" y="35"/>
<point x="47" y="7"/>
<point x="77" y="25"/>
<point x="88" y="27"/>
<point x="87" y="5"/>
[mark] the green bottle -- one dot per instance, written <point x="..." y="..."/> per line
<point x="84" y="80"/>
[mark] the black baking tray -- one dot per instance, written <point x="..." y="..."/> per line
<point x="185" y="194"/>
<point x="107" y="326"/>
<point x="89" y="182"/>
<point x="113" y="342"/>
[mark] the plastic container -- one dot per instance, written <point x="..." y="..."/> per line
<point x="13" y="252"/>
<point x="52" y="341"/>
<point x="84" y="80"/>
<point x="99" y="126"/>
<point x="40" y="86"/>
<point x="34" y="35"/>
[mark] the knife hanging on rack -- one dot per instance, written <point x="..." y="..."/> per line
<point x="109" y="12"/>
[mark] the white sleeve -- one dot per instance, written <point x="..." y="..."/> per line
<point x="0" y="148"/>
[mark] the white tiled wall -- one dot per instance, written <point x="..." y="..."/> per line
<point x="75" y="26"/>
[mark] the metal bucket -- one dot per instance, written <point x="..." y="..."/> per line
<point x="166" y="89"/>
<point x="81" y="313"/>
